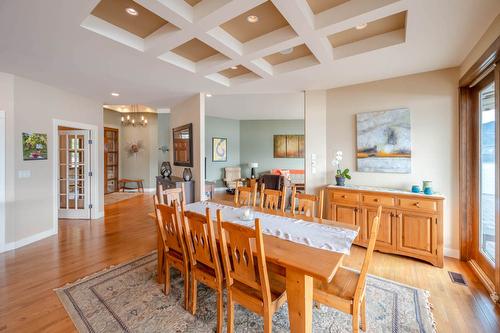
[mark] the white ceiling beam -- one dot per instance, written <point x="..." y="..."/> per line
<point x="211" y="14"/>
<point x="299" y="15"/>
<point x="111" y="31"/>
<point x="177" y="12"/>
<point x="370" y="44"/>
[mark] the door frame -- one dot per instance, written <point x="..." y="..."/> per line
<point x="2" y="180"/>
<point x="94" y="167"/>
<point x="468" y="209"/>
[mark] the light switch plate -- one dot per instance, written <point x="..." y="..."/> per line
<point x="24" y="174"/>
<point x="313" y="156"/>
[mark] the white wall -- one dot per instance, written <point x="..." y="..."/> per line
<point x="433" y="102"/>
<point x="192" y="111"/>
<point x="315" y="135"/>
<point x="35" y="105"/>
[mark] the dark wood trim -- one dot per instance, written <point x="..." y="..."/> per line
<point x="489" y="57"/>
<point x="189" y="127"/>
<point x="117" y="152"/>
<point x="465" y="213"/>
<point x="497" y="177"/>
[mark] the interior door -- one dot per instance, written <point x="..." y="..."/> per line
<point x="484" y="221"/>
<point x="110" y="160"/>
<point x="74" y="174"/>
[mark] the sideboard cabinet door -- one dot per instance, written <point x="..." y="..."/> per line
<point x="386" y="238"/>
<point x="416" y="233"/>
<point x="347" y="214"/>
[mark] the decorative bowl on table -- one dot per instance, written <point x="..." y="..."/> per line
<point x="246" y="213"/>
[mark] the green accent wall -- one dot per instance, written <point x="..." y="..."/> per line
<point x="257" y="144"/>
<point x="221" y="128"/>
<point x="164" y="136"/>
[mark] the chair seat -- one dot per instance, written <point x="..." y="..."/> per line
<point x="342" y="286"/>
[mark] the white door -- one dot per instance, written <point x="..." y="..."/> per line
<point x="2" y="180"/>
<point x="74" y="174"/>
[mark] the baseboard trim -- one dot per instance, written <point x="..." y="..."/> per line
<point x="98" y="215"/>
<point x="452" y="253"/>
<point x="485" y="280"/>
<point x="27" y="240"/>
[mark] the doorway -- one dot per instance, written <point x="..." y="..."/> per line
<point x="111" y="160"/>
<point x="74" y="194"/>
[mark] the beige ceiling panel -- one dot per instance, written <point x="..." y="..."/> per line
<point x="270" y="19"/>
<point x="318" y="6"/>
<point x="195" y="50"/>
<point x="279" y="58"/>
<point x="378" y="27"/>
<point x="114" y="12"/>
<point x="193" y="2"/>
<point x="230" y="73"/>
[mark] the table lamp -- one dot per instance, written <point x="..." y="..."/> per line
<point x="253" y="165"/>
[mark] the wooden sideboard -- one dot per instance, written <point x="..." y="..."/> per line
<point x="411" y="224"/>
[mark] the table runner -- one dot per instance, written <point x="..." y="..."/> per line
<point x="321" y="236"/>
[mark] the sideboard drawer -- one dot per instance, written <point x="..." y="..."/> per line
<point x="369" y="199"/>
<point x="345" y="197"/>
<point x="418" y="205"/>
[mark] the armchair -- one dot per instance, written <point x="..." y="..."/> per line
<point x="232" y="177"/>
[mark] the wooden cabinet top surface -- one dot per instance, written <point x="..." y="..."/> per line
<point x="384" y="191"/>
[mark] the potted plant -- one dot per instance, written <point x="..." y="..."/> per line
<point x="341" y="175"/>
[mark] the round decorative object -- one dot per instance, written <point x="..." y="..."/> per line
<point x="187" y="175"/>
<point x="165" y="169"/>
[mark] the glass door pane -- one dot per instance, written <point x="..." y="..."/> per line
<point x="487" y="172"/>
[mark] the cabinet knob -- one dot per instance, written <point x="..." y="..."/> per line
<point x="343" y="196"/>
<point x="376" y="200"/>
<point x="417" y="204"/>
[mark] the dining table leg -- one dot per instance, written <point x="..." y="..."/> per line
<point x="159" y="275"/>
<point x="299" y="290"/>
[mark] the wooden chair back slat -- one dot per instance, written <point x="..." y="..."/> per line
<point x="272" y="199"/>
<point x="238" y="244"/>
<point x="305" y="204"/>
<point x="200" y="238"/>
<point x="246" y="196"/>
<point x="169" y="195"/>
<point x="361" y="285"/>
<point x="171" y="231"/>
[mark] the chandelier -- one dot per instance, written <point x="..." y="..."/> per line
<point x="134" y="119"/>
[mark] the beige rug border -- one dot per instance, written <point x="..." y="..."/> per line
<point x="136" y="194"/>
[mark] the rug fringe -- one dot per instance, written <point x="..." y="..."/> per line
<point x="429" y="307"/>
<point x="102" y="271"/>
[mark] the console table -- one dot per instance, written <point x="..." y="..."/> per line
<point x="411" y="223"/>
<point x="173" y="182"/>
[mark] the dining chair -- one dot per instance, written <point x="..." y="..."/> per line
<point x="304" y="204"/>
<point x="249" y="283"/>
<point x="246" y="195"/>
<point x="203" y="258"/>
<point x="347" y="291"/>
<point x="167" y="196"/>
<point x="174" y="247"/>
<point x="272" y="199"/>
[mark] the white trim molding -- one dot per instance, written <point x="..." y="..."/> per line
<point x="28" y="240"/>
<point x="2" y="180"/>
<point x="452" y="253"/>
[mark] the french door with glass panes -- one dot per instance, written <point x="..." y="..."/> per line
<point x="74" y="174"/>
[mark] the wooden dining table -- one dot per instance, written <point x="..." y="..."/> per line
<point x="301" y="264"/>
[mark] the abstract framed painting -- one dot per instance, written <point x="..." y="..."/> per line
<point x="34" y="146"/>
<point x="219" y="149"/>
<point x="384" y="141"/>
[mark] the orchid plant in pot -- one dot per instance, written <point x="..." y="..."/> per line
<point x="340" y="175"/>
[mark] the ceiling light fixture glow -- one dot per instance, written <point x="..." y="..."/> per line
<point x="361" y="26"/>
<point x="132" y="11"/>
<point x="115" y="94"/>
<point x="287" y="51"/>
<point x="208" y="95"/>
<point x="252" y="18"/>
<point x="234" y="67"/>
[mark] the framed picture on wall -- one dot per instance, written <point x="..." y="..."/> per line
<point x="219" y="149"/>
<point x="289" y="146"/>
<point x="34" y="146"/>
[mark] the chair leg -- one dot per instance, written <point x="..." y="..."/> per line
<point x="268" y="322"/>
<point x="363" y="314"/>
<point x="230" y="313"/>
<point x="167" y="277"/>
<point x="220" y="311"/>
<point x="193" y="293"/>
<point x="186" y="288"/>
<point x="355" y="318"/>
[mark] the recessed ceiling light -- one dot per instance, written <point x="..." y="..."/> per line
<point x="361" y="26"/>
<point x="132" y="11"/>
<point x="234" y="67"/>
<point x="252" y="18"/>
<point x="115" y="94"/>
<point x="208" y="95"/>
<point x="287" y="51"/>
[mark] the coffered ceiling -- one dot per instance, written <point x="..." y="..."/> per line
<point x="174" y="48"/>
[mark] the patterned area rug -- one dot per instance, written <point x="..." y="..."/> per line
<point x="115" y="197"/>
<point x="126" y="298"/>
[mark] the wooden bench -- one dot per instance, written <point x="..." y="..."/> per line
<point x="139" y="184"/>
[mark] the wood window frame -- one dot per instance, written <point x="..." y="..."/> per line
<point x="468" y="150"/>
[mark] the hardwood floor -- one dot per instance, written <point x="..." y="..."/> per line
<point x="29" y="275"/>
